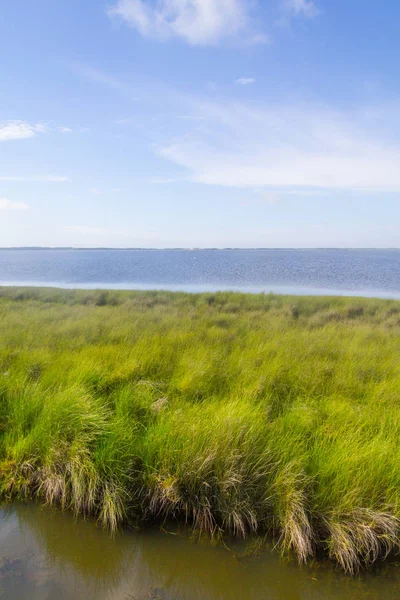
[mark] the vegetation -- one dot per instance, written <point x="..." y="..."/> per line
<point x="239" y="413"/>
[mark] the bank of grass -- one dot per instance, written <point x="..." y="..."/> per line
<point x="238" y="413"/>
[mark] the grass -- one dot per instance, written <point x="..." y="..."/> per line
<point x="238" y="413"/>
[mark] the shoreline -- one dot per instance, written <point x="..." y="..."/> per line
<point x="281" y="290"/>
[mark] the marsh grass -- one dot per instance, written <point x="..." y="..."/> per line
<point x="236" y="413"/>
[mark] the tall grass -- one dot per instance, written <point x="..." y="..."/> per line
<point x="240" y="414"/>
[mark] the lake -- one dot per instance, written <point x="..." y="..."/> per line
<point x="333" y="272"/>
<point x="48" y="555"/>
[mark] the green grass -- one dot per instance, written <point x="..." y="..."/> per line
<point x="238" y="413"/>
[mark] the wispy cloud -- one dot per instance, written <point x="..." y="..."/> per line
<point x="19" y="130"/>
<point x="245" y="81"/>
<point x="286" y="147"/>
<point x="35" y="178"/>
<point x="302" y="148"/>
<point x="306" y="8"/>
<point x="9" y="205"/>
<point x="198" y="22"/>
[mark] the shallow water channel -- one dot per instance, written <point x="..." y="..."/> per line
<point x="48" y="555"/>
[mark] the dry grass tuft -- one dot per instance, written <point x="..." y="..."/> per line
<point x="362" y="537"/>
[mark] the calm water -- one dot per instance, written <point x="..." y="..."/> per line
<point x="356" y="272"/>
<point x="46" y="555"/>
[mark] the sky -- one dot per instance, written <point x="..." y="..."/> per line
<point x="200" y="123"/>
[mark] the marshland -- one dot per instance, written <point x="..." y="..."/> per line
<point x="239" y="415"/>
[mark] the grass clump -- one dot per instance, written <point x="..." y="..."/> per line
<point x="237" y="413"/>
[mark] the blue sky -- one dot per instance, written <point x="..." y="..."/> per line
<point x="211" y="123"/>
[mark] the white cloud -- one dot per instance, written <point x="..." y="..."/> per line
<point x="288" y="148"/>
<point x="245" y="81"/>
<point x="307" y="8"/>
<point x="6" y="204"/>
<point x="198" y="22"/>
<point x="19" y="130"/>
<point x="34" y="179"/>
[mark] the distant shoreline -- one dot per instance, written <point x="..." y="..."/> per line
<point x="280" y="290"/>
<point x="195" y="249"/>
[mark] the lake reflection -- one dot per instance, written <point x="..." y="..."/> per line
<point x="47" y="555"/>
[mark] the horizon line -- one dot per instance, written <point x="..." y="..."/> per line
<point x="199" y="248"/>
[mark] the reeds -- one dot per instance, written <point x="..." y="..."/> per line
<point x="239" y="414"/>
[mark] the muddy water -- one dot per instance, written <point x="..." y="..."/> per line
<point x="48" y="555"/>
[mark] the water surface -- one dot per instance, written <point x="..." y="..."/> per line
<point x="340" y="272"/>
<point x="48" y="555"/>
